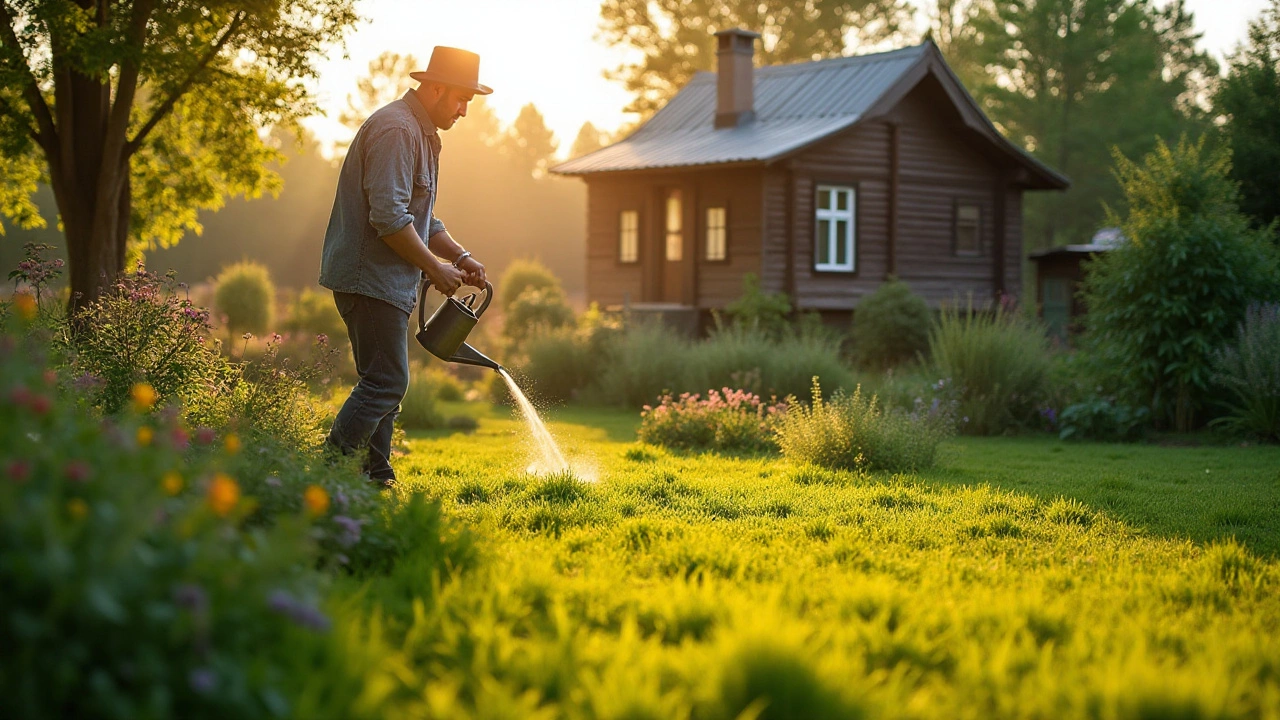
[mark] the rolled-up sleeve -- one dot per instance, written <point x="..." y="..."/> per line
<point x="388" y="179"/>
<point x="435" y="228"/>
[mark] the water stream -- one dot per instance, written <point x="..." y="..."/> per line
<point x="550" y="459"/>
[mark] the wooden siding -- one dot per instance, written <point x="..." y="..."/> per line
<point x="716" y="283"/>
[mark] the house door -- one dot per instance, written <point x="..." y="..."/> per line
<point x="673" y="260"/>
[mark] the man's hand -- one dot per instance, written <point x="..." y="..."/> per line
<point x="472" y="272"/>
<point x="444" y="277"/>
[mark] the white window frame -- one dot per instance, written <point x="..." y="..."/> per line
<point x="832" y="215"/>
<point x="629" y="236"/>
<point x="717" y="249"/>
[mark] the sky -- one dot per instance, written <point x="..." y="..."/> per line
<point x="546" y="52"/>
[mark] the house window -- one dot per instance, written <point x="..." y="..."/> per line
<point x="675" y="238"/>
<point x="716" y="233"/>
<point x="628" y="236"/>
<point x="834" y="218"/>
<point x="968" y="230"/>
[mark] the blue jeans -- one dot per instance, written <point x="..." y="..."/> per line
<point x="379" y="333"/>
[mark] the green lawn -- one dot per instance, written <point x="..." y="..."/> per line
<point x="1021" y="578"/>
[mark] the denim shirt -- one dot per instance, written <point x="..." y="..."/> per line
<point x="388" y="180"/>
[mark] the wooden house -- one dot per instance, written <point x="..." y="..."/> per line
<point x="822" y="178"/>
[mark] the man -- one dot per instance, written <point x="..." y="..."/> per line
<point x="374" y="251"/>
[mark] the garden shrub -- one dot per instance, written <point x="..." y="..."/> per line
<point x="418" y="410"/>
<point x="1161" y="304"/>
<point x="726" y="420"/>
<point x="559" y="363"/>
<point x="855" y="432"/>
<point x="647" y="361"/>
<point x="782" y="364"/>
<point x="313" y="312"/>
<point x="994" y="363"/>
<point x="145" y="329"/>
<point x="1103" y="420"/>
<point x="758" y="310"/>
<point x="1249" y="369"/>
<point x="890" y="326"/>
<point x="537" y="310"/>
<point x="246" y="296"/>
<point x="522" y="276"/>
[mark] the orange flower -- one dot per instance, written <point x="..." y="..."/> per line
<point x="231" y="443"/>
<point x="145" y="434"/>
<point x="171" y="482"/>
<point x="26" y="305"/>
<point x="224" y="494"/>
<point x="77" y="508"/>
<point x="144" y="396"/>
<point x="316" y="500"/>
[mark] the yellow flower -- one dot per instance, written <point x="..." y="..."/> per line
<point x="224" y="494"/>
<point x="144" y="396"/>
<point x="77" y="508"/>
<point x="171" y="482"/>
<point x="231" y="443"/>
<point x="316" y="500"/>
<point x="26" y="305"/>
<point x="145" y="434"/>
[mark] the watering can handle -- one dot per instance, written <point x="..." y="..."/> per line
<point x="422" y="301"/>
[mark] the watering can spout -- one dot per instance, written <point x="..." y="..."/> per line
<point x="467" y="355"/>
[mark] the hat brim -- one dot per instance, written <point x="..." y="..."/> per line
<point x="428" y="76"/>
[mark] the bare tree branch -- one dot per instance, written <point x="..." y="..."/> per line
<point x="45" y="132"/>
<point x="182" y="89"/>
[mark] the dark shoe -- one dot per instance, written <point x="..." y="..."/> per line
<point x="383" y="483"/>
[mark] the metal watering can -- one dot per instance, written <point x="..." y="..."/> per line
<point x="445" y="334"/>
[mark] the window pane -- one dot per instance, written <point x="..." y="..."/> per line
<point x="968" y="238"/>
<point x="675" y="247"/>
<point x="628" y="236"/>
<point x="842" y="199"/>
<point x="968" y="213"/>
<point x="823" y="248"/>
<point x="824" y="199"/>
<point x="673" y="212"/>
<point x="842" y="242"/>
<point x="715" y="233"/>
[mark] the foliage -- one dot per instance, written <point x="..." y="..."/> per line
<point x="418" y="409"/>
<point x="520" y="277"/>
<point x="1160" y="304"/>
<point x="588" y="140"/>
<point x="781" y="365"/>
<point x="145" y="329"/>
<point x="1249" y="369"/>
<point x="994" y="365"/>
<point x="386" y="80"/>
<point x="536" y="310"/>
<point x="1249" y="97"/>
<point x="891" y="326"/>
<point x="758" y="310"/>
<point x="855" y="432"/>
<point x="1103" y="420"/>
<point x="1060" y="78"/>
<point x="314" y="313"/>
<point x="165" y="100"/>
<point x="529" y="142"/>
<point x="246" y="297"/>
<point x="726" y="420"/>
<point x="674" y="37"/>
<point x="560" y="363"/>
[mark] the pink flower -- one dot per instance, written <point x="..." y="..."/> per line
<point x="18" y="470"/>
<point x="78" y="471"/>
<point x="204" y="436"/>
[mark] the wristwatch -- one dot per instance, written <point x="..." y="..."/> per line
<point x="465" y="254"/>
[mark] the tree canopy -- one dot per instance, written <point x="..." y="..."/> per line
<point x="141" y="113"/>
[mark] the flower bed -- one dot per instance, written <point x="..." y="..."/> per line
<point x="725" y="419"/>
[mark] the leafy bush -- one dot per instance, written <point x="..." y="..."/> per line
<point x="537" y="310"/>
<point x="1249" y="370"/>
<point x="1162" y="303"/>
<point x="726" y="420"/>
<point x="142" y="329"/>
<point x="994" y="364"/>
<point x="520" y="277"/>
<point x="246" y="296"/>
<point x="646" y="361"/>
<point x="418" y="410"/>
<point x="559" y="363"/>
<point x="781" y="364"/>
<point x="314" y="313"/>
<point x="758" y="310"/>
<point x="890" y="326"/>
<point x="1103" y="420"/>
<point x="854" y="432"/>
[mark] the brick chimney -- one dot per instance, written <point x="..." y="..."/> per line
<point x="734" y="49"/>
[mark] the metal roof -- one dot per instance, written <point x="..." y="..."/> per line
<point x="795" y="105"/>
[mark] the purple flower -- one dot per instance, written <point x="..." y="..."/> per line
<point x="301" y="614"/>
<point x="350" y="530"/>
<point x="203" y="680"/>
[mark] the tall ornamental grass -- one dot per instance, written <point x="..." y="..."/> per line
<point x="855" y="432"/>
<point x="1249" y="369"/>
<point x="996" y="364"/>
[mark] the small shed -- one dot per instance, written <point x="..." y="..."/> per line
<point x="1059" y="273"/>
<point x="821" y="178"/>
